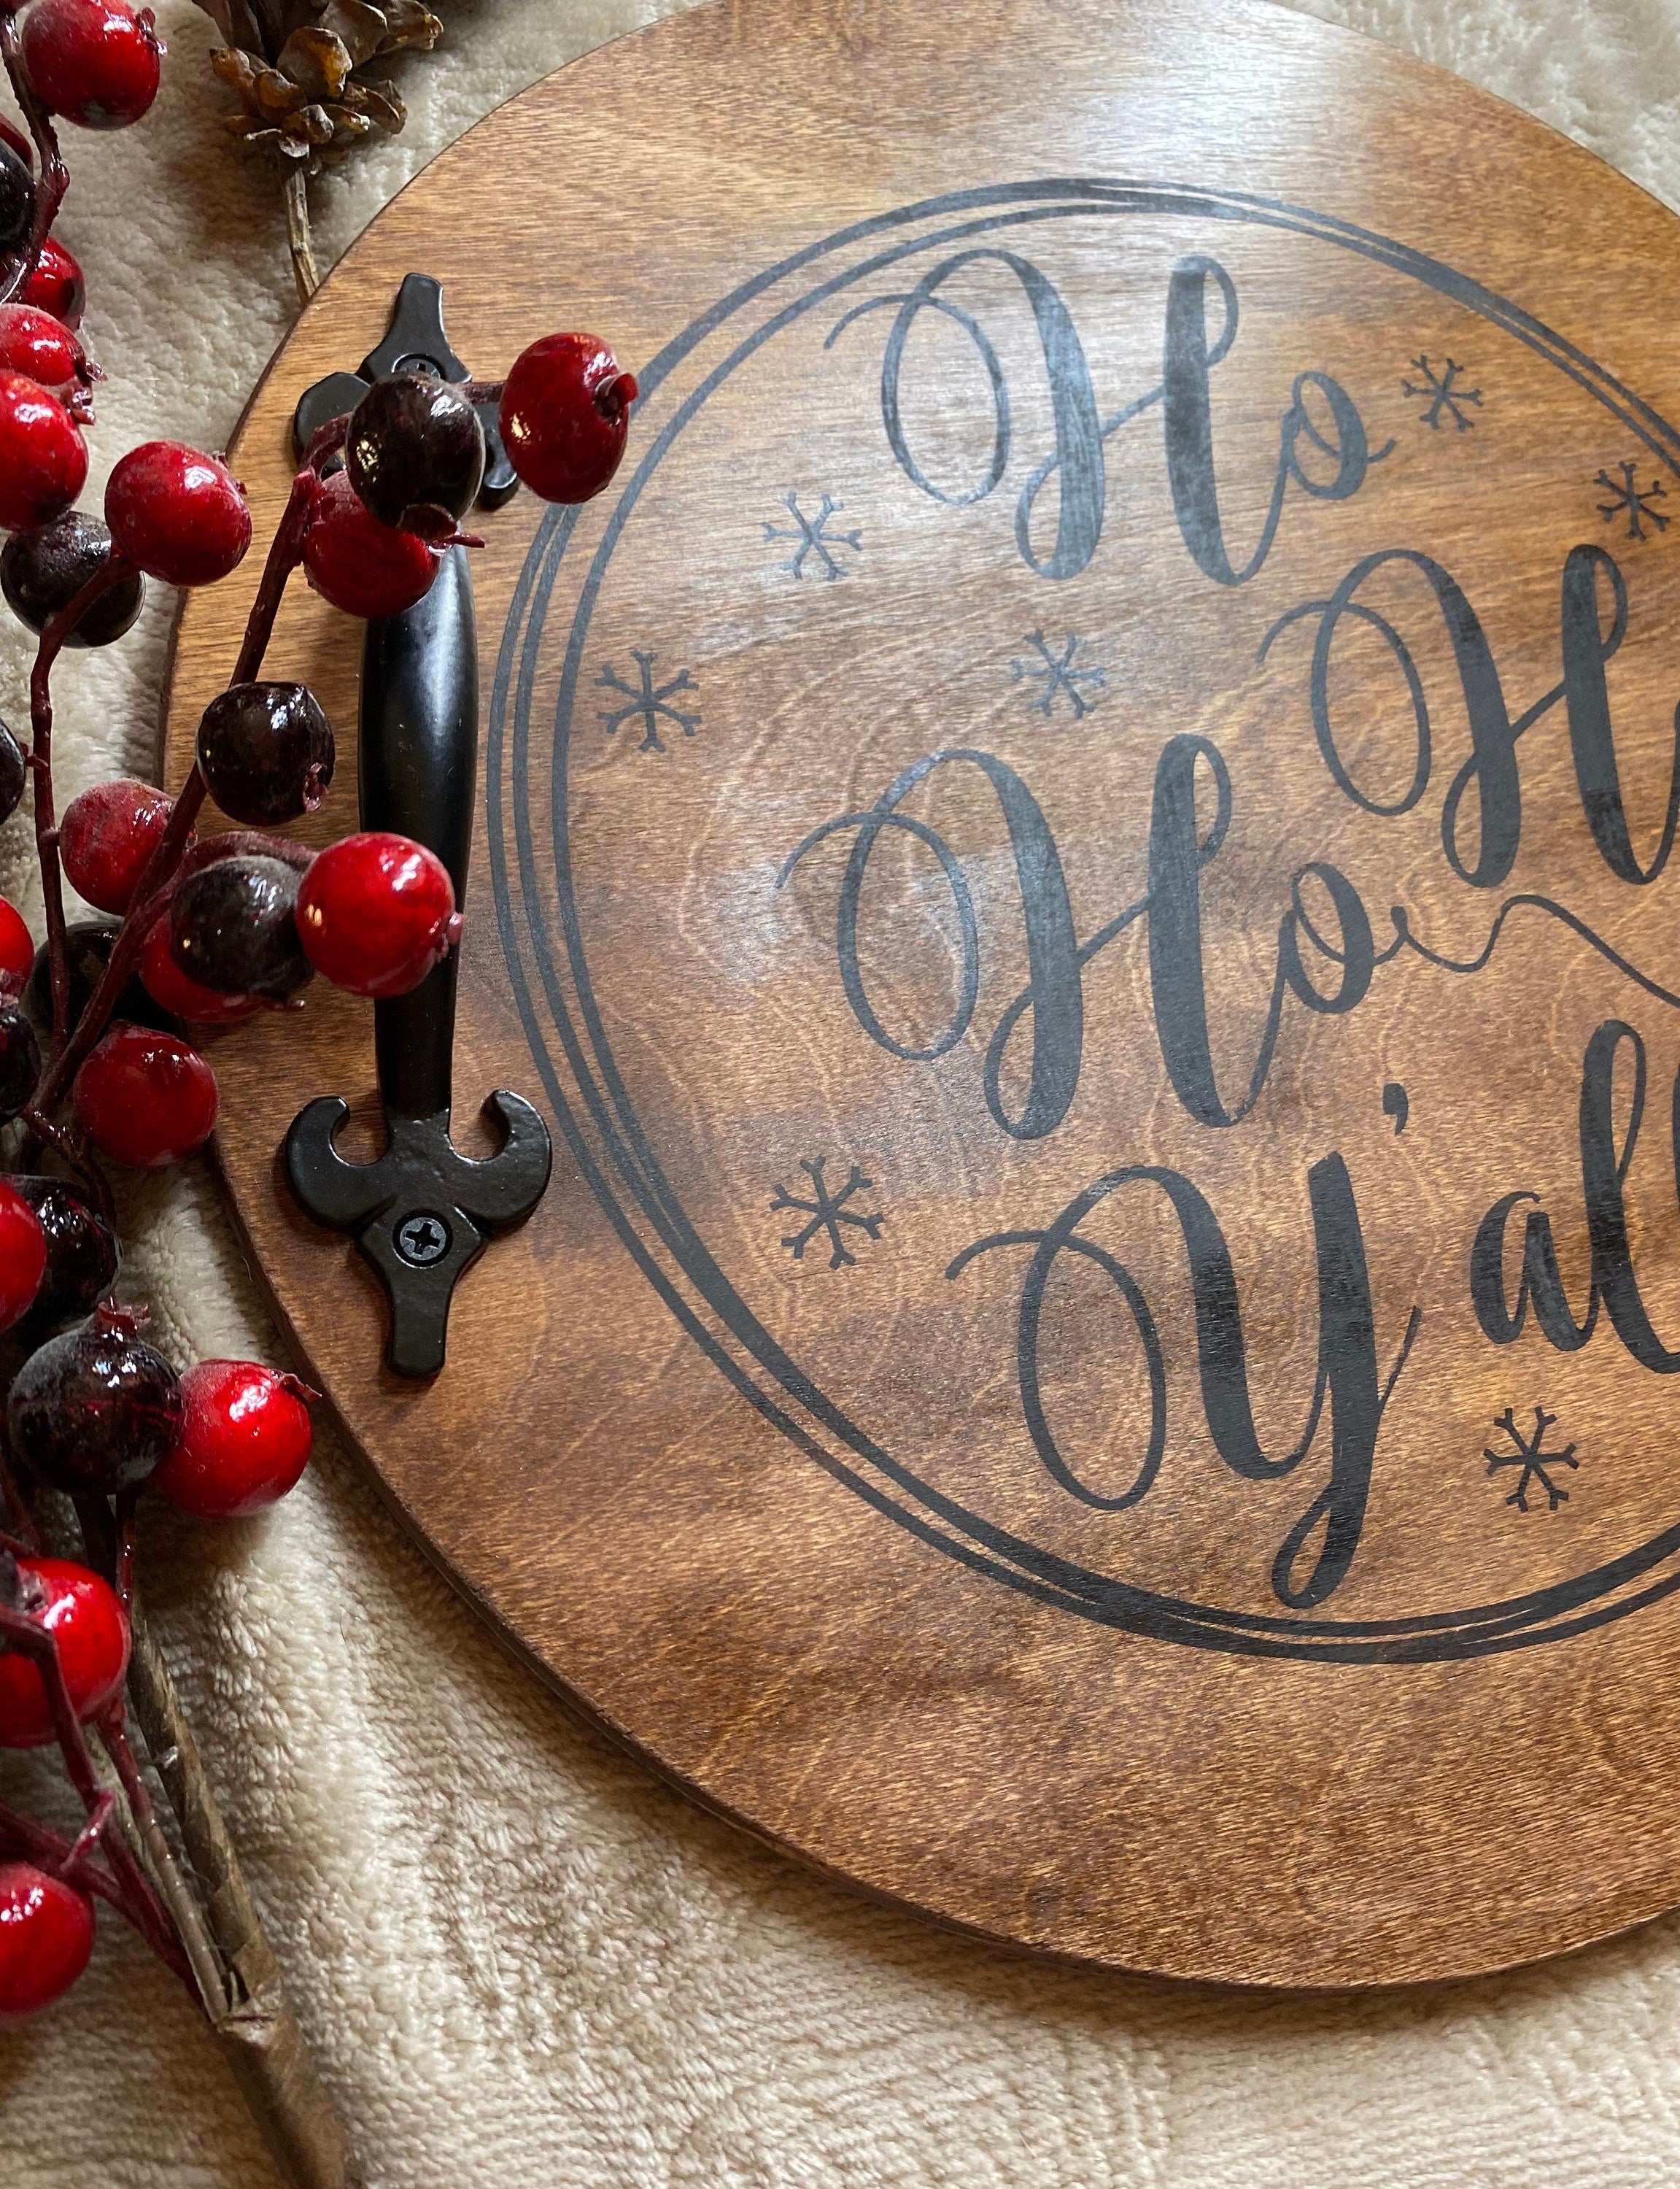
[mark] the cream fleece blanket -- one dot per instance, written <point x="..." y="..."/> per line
<point x="523" y="1961"/>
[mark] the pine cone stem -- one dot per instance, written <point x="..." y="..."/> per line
<point x="303" y="267"/>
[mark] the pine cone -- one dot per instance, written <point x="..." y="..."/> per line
<point x="296" y="65"/>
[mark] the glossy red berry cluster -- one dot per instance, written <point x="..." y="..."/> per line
<point x="104" y="1030"/>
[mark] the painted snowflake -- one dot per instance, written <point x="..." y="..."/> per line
<point x="1529" y="1453"/>
<point x="1443" y="393"/>
<point x="827" y="1211"/>
<point x="1059" y="676"/>
<point x="814" y="538"/>
<point x="650" y="702"/>
<point x="1627" y="501"/>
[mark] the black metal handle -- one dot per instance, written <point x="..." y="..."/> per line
<point x="422" y="1213"/>
<point x="419" y="774"/>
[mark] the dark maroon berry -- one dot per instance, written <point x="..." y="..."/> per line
<point x="82" y="1255"/>
<point x="88" y="947"/>
<point x="17" y="201"/>
<point x="267" y="753"/>
<point x="167" y="984"/>
<point x="414" y="453"/>
<point x="43" y="570"/>
<point x="14" y="773"/>
<point x="96" y="1409"/>
<point x="232" y="928"/>
<point x="20" y="1061"/>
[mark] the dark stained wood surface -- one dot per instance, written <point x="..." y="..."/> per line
<point x="985" y="1569"/>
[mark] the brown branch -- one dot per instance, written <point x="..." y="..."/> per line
<point x="259" y="2033"/>
<point x="256" y="2028"/>
<point x="298" y="240"/>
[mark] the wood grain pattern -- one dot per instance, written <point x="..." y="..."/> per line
<point x="1052" y="508"/>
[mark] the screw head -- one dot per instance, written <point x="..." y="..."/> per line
<point x="422" y="1239"/>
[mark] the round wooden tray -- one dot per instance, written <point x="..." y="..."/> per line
<point x="1077" y="853"/>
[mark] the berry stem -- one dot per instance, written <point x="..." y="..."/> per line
<point x="259" y="2035"/>
<point x="60" y="629"/>
<point x="20" y="1515"/>
<point x="304" y="270"/>
<point x="55" y="177"/>
<point x="122" y="1562"/>
<point x="73" y="1151"/>
<point x="50" y="1850"/>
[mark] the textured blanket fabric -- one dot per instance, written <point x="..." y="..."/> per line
<point x="522" y="1960"/>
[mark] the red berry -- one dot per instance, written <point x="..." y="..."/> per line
<point x="16" y="950"/>
<point x="23" y="1256"/>
<point x="91" y="1627"/>
<point x="365" y="567"/>
<point x="45" y="1935"/>
<point x="244" y="1443"/>
<point x="44" y="460"/>
<point x="44" y="350"/>
<point x="95" y="62"/>
<point x="146" y="1098"/>
<point x="107" y="837"/>
<point x="177" y="515"/>
<point x="57" y="285"/>
<point x="178" y="992"/>
<point x="376" y="913"/>
<point x="565" y="412"/>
